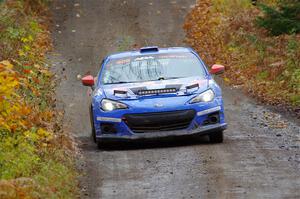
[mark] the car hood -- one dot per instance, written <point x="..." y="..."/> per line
<point x="130" y="90"/>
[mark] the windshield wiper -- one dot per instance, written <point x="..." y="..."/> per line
<point x="166" y="78"/>
<point x="160" y="78"/>
<point x="120" y="82"/>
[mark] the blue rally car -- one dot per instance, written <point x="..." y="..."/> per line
<point x="155" y="93"/>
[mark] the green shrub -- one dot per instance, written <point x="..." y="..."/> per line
<point x="285" y="18"/>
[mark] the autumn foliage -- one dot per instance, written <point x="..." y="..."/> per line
<point x="35" y="162"/>
<point x="267" y="67"/>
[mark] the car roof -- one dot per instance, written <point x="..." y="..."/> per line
<point x="149" y="50"/>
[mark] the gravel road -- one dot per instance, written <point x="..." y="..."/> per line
<point x="260" y="157"/>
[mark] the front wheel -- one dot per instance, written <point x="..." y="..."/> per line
<point x="92" y="124"/>
<point x="93" y="133"/>
<point x="216" y="137"/>
<point x="101" y="144"/>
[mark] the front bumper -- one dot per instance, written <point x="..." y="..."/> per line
<point x="122" y="127"/>
<point x="203" y="130"/>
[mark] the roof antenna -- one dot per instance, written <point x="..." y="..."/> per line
<point x="146" y="42"/>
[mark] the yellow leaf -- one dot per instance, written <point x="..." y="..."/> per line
<point x="7" y="64"/>
<point x="21" y="53"/>
<point x="226" y="79"/>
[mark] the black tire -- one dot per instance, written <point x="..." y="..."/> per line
<point x="102" y="144"/>
<point x="92" y="125"/>
<point x="216" y="137"/>
<point x="93" y="133"/>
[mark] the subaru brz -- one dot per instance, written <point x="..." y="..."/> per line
<point x="155" y="93"/>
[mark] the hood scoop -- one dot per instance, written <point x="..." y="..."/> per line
<point x="120" y="93"/>
<point x="192" y="88"/>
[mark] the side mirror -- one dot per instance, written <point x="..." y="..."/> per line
<point x="88" y="80"/>
<point x="217" y="69"/>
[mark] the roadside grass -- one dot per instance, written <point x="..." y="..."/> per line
<point x="267" y="67"/>
<point x="36" y="158"/>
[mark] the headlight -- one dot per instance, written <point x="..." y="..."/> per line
<point x="206" y="96"/>
<point x="110" y="105"/>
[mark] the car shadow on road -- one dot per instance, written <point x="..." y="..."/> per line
<point x="86" y="144"/>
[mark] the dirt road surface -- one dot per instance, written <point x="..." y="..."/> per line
<point x="260" y="157"/>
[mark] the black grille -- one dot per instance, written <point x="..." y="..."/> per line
<point x="161" y="121"/>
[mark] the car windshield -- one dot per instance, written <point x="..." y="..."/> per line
<point x="152" y="67"/>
